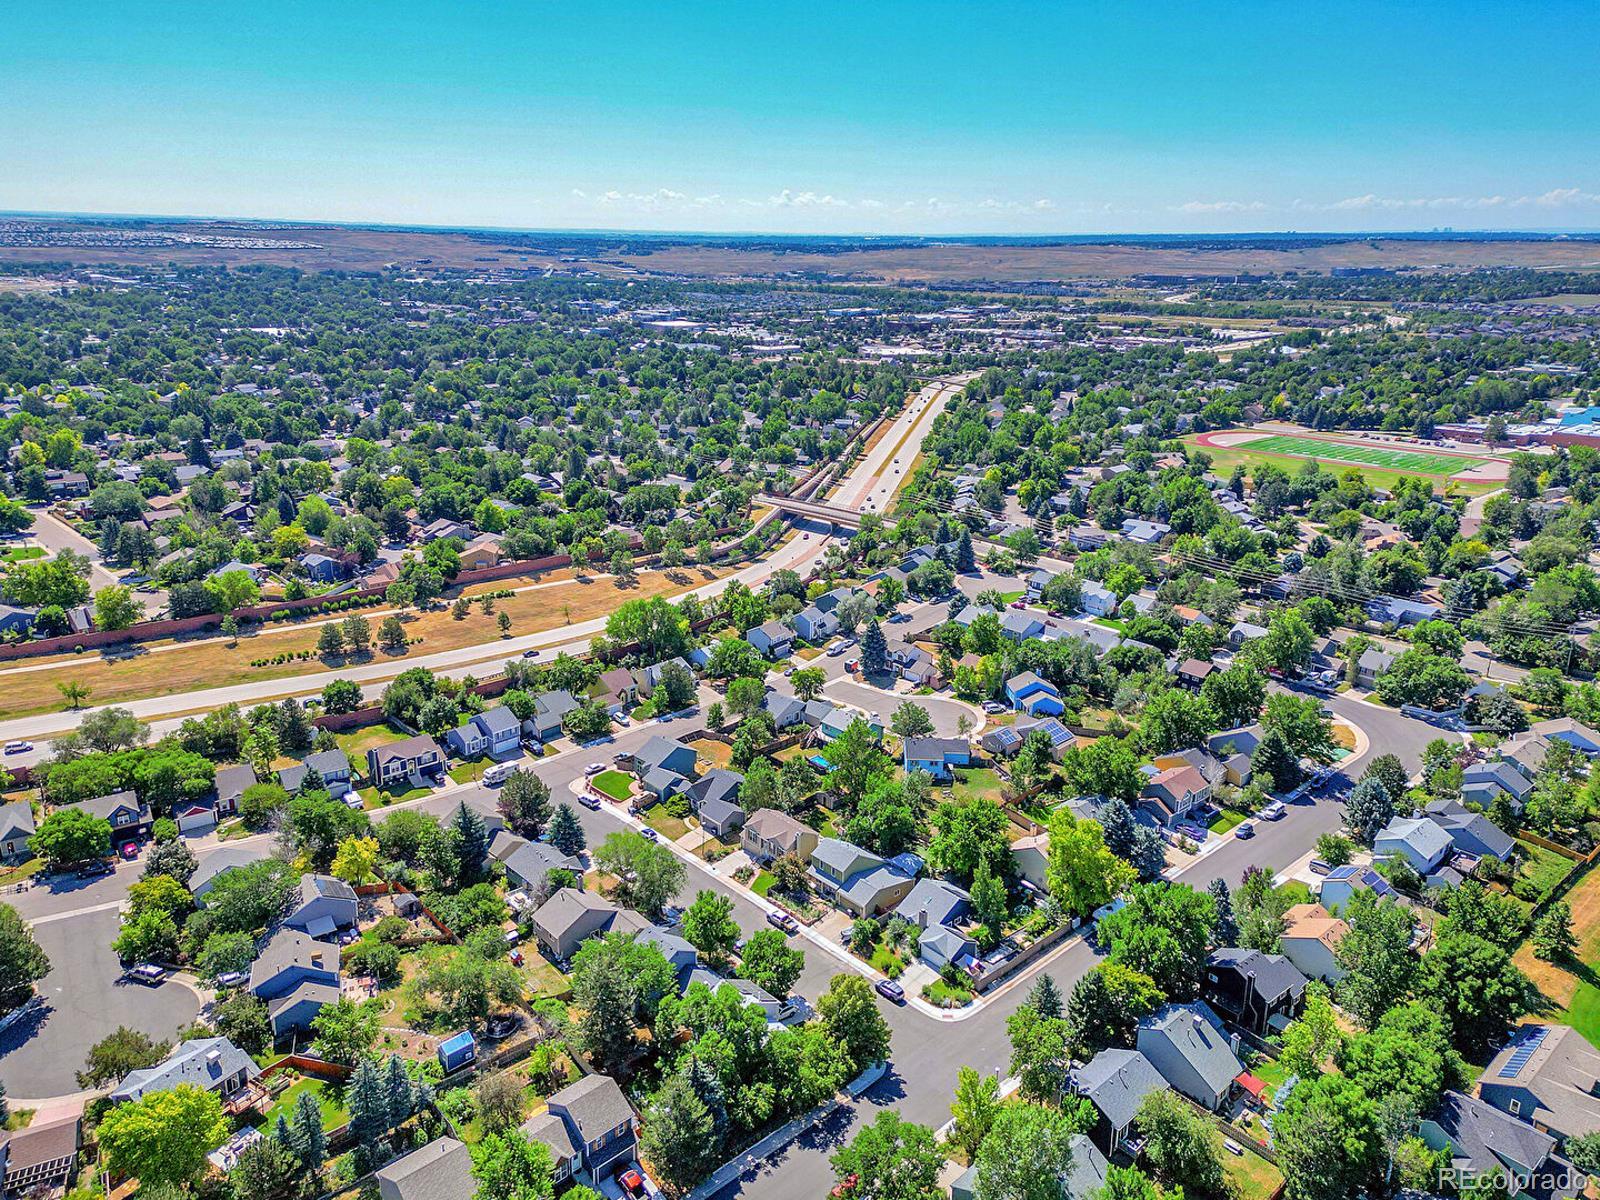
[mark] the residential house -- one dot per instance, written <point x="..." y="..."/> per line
<point x="1116" y="1082"/>
<point x="1575" y="733"/>
<point x="495" y="732"/>
<point x="1397" y="611"/>
<point x="482" y="551"/>
<point x="128" y="818"/>
<point x="550" y="709"/>
<point x="1172" y="794"/>
<point x="1486" y="1144"/>
<point x="1310" y="938"/>
<point x="600" y="1121"/>
<point x="1019" y="625"/>
<point x="322" y="905"/>
<point x="414" y="758"/>
<point x="1146" y="533"/>
<point x="1245" y="631"/>
<point x="815" y="624"/>
<point x="212" y="1064"/>
<point x="1482" y="782"/>
<point x="15" y="620"/>
<point x="1096" y="599"/>
<point x="16" y="827"/>
<point x="1470" y="832"/>
<point x="751" y="995"/>
<point x="40" y="1158"/>
<point x="1085" y="1174"/>
<point x="1526" y="752"/>
<point x="1193" y="672"/>
<point x="1257" y="992"/>
<point x="1549" y="1076"/>
<point x="1001" y="742"/>
<point x="569" y="916"/>
<point x="649" y="677"/>
<point x="856" y="879"/>
<point x="441" y="1170"/>
<point x="1037" y="697"/>
<point x="331" y="765"/>
<point x="935" y="756"/>
<point x="1186" y="1043"/>
<point x="1422" y="843"/>
<point x="1341" y="883"/>
<point x="294" y="1011"/>
<point x="433" y="531"/>
<point x="527" y="863"/>
<point x="216" y="863"/>
<point x="1031" y="855"/>
<point x="773" y="639"/>
<point x="231" y="783"/>
<point x="714" y="799"/>
<point x="321" y="568"/>
<point x="944" y="945"/>
<point x="1038" y="579"/>
<point x="1372" y="663"/>
<point x="550" y="1129"/>
<point x="289" y="959"/>
<point x="915" y="665"/>
<point x="785" y="711"/>
<point x="620" y="690"/>
<point x="770" y="834"/>
<point x="933" y="902"/>
<point x="665" y="754"/>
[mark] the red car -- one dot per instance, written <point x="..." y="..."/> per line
<point x="630" y="1181"/>
<point x="130" y="850"/>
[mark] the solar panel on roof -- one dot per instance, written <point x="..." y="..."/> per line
<point x="1524" y="1051"/>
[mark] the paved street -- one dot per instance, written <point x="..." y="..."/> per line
<point x="85" y="999"/>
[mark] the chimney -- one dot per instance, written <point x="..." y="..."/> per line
<point x="1233" y="1044"/>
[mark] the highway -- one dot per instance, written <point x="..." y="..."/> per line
<point x="870" y="482"/>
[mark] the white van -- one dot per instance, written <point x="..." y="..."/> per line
<point x="499" y="773"/>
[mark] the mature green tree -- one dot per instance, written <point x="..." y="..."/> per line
<point x="1477" y="988"/>
<point x="679" y="1135"/>
<point x="1106" y="1006"/>
<point x="564" y="831"/>
<point x="512" y="1166"/>
<point x="119" y="1052"/>
<point x="1164" y="932"/>
<point x="1041" y="1051"/>
<point x="1329" y="1139"/>
<point x="1182" y="1148"/>
<point x="1376" y="955"/>
<point x="22" y="962"/>
<point x="163" y="1137"/>
<point x="69" y="836"/>
<point x="709" y="927"/>
<point x="771" y="962"/>
<point x="976" y="1105"/>
<point x="969" y="832"/>
<point x="1082" y="873"/>
<point x="851" y="1017"/>
<point x="1369" y="809"/>
<point x="1407" y="1055"/>
<point x="649" y="874"/>
<point x="1029" y="1150"/>
<point x="891" y="1159"/>
<point x="345" y="1030"/>
<point x="524" y="803"/>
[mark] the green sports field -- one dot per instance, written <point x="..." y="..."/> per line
<point x="1422" y="462"/>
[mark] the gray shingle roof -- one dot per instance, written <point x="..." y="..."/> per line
<point x="1117" y="1081"/>
<point x="441" y="1170"/>
<point x="203" y="1062"/>
<point x="596" y="1105"/>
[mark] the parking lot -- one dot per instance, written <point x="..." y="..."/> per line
<point x="85" y="998"/>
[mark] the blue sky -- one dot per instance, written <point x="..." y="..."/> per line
<point x="872" y="116"/>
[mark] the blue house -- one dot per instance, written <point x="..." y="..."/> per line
<point x="290" y="959"/>
<point x="496" y="732"/>
<point x="322" y="568"/>
<point x="665" y="754"/>
<point x="935" y="756"/>
<point x="1035" y="696"/>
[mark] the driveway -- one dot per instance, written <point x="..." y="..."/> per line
<point x="85" y="999"/>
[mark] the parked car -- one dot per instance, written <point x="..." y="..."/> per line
<point x="101" y="866"/>
<point x="890" y="990"/>
<point x="18" y="747"/>
<point x="149" y="974"/>
<point x="516" y="958"/>
<point x="231" y="978"/>
<point x="588" y="800"/>
<point x="650" y="833"/>
<point x="1274" y="811"/>
<point x="594" y="768"/>
<point x="1246" y="829"/>
<point x="130" y="850"/>
<point x="783" y="921"/>
<point x="1019" y="604"/>
<point x="852" y="666"/>
<point x="629" y="1180"/>
<point x="993" y="707"/>
<point x="836" y="650"/>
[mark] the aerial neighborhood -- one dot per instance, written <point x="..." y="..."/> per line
<point x="488" y="736"/>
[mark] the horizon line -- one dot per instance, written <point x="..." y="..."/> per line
<point x="601" y="231"/>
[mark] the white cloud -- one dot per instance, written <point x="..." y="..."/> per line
<point x="792" y="199"/>
<point x="1221" y="206"/>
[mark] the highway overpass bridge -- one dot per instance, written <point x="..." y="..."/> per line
<point x="812" y="510"/>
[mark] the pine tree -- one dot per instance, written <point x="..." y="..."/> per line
<point x="566" y="835"/>
<point x="294" y="731"/>
<point x="966" y="560"/>
<point x="367" y="1101"/>
<point x="306" y="1137"/>
<point x="312" y="781"/>
<point x="874" y="650"/>
<point x="473" y="839"/>
<point x="283" y="1134"/>
<point x="708" y="1086"/>
<point x="1119" y="827"/>
<point x="1045" y="998"/>
<point x="400" y="1096"/>
<point x="1224" y="927"/>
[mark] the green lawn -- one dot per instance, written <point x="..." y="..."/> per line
<point x="614" y="784"/>
<point x="334" y="1113"/>
<point x="1423" y="462"/>
<point x="977" y="782"/>
<point x="1295" y="892"/>
<point x="1541" y="871"/>
<point x="471" y="770"/>
<point x="668" y="826"/>
<point x="1226" y="820"/>
<point x="22" y="553"/>
<point x="357" y="742"/>
<point x="762" y="883"/>
<point x="371" y="797"/>
<point x="1251" y="1177"/>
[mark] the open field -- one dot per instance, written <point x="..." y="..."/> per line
<point x="1381" y="461"/>
<point x="127" y="673"/>
<point x="344" y="247"/>
<point x="1573" y="988"/>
